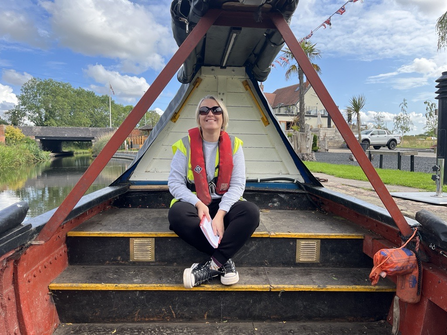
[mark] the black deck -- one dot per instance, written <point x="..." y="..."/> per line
<point x="273" y="222"/>
<point x="241" y="328"/>
<point x="102" y="283"/>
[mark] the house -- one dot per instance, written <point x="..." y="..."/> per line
<point x="285" y="104"/>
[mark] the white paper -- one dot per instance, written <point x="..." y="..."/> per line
<point x="207" y="230"/>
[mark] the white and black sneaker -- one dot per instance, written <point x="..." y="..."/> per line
<point x="229" y="275"/>
<point x="198" y="274"/>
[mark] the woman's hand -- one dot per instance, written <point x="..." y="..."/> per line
<point x="218" y="224"/>
<point x="202" y="210"/>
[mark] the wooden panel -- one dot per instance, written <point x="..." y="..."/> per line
<point x="265" y="153"/>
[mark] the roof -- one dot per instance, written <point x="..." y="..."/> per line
<point x="286" y="96"/>
<point x="238" y="38"/>
<point x="146" y="127"/>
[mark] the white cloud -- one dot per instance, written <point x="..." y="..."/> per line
<point x="19" y="27"/>
<point x="420" y="72"/>
<point x="123" y="30"/>
<point x="7" y="100"/>
<point x="371" y="30"/>
<point x="14" y="78"/>
<point x="6" y="95"/>
<point x="431" y="8"/>
<point x="159" y="111"/>
<point x="125" y="87"/>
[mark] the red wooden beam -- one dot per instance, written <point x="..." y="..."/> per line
<point x="128" y="125"/>
<point x="341" y="124"/>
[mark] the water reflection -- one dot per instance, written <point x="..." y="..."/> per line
<point x="45" y="186"/>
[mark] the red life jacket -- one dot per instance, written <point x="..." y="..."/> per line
<point x="225" y="166"/>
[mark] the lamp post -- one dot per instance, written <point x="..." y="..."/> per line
<point x="441" y="152"/>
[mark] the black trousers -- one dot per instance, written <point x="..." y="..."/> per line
<point x="240" y="223"/>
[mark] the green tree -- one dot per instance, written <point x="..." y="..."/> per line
<point x="119" y="113"/>
<point x="441" y="29"/>
<point x="287" y="59"/>
<point x="402" y="121"/>
<point x="51" y="103"/>
<point x="150" y="119"/>
<point x="356" y="104"/>
<point x="431" y="122"/>
<point x="42" y="102"/>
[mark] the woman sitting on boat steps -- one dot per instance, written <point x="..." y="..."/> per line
<point x="207" y="180"/>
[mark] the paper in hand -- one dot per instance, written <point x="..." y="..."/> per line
<point x="207" y="230"/>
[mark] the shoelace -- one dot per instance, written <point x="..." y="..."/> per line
<point x="203" y="274"/>
<point x="229" y="267"/>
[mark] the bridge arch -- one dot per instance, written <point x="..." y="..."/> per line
<point x="51" y="138"/>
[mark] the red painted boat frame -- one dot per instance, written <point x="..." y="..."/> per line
<point x="25" y="275"/>
<point x="220" y="17"/>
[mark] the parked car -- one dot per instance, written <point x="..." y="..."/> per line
<point x="379" y="138"/>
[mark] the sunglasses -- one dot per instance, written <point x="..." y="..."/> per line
<point x="216" y="110"/>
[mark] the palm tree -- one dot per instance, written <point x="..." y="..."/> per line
<point x="441" y="28"/>
<point x="356" y="104"/>
<point x="286" y="60"/>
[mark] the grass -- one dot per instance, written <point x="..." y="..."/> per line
<point x="24" y="153"/>
<point x="415" y="142"/>
<point x="418" y="180"/>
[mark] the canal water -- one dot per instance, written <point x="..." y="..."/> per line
<point x="45" y="186"/>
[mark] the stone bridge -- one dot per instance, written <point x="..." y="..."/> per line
<point x="51" y="138"/>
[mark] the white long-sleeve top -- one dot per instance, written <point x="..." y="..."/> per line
<point x="179" y="168"/>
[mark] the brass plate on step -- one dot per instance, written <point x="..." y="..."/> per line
<point x="307" y="251"/>
<point x="142" y="249"/>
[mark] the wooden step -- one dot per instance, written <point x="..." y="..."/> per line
<point x="240" y="328"/>
<point x="138" y="294"/>
<point x="277" y="240"/>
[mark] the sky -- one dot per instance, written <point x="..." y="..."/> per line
<point x="385" y="50"/>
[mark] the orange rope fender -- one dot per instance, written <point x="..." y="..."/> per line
<point x="400" y="262"/>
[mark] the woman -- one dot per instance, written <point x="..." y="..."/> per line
<point x="207" y="179"/>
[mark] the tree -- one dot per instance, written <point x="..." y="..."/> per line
<point x="286" y="59"/>
<point x="42" y="102"/>
<point x="356" y="104"/>
<point x="51" y="103"/>
<point x="441" y="29"/>
<point x="402" y="121"/>
<point x="150" y="119"/>
<point x="431" y="122"/>
<point x="13" y="135"/>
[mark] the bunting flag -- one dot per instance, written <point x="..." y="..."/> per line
<point x="341" y="11"/>
<point x="284" y="60"/>
<point x="328" y="22"/>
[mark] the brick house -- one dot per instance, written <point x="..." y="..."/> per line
<point x="285" y="104"/>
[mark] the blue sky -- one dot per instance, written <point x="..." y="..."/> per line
<point x="383" y="49"/>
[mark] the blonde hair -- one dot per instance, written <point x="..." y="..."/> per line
<point x="221" y="104"/>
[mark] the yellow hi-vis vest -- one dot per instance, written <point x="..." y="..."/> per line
<point x="184" y="145"/>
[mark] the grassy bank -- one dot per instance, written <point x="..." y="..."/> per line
<point x="21" y="154"/>
<point x="417" y="142"/>
<point x="418" y="180"/>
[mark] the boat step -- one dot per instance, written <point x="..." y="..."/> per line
<point x="137" y="294"/>
<point x="284" y="238"/>
<point x="149" y="222"/>
<point x="241" y="328"/>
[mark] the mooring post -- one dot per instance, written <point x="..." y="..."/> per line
<point x="441" y="152"/>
